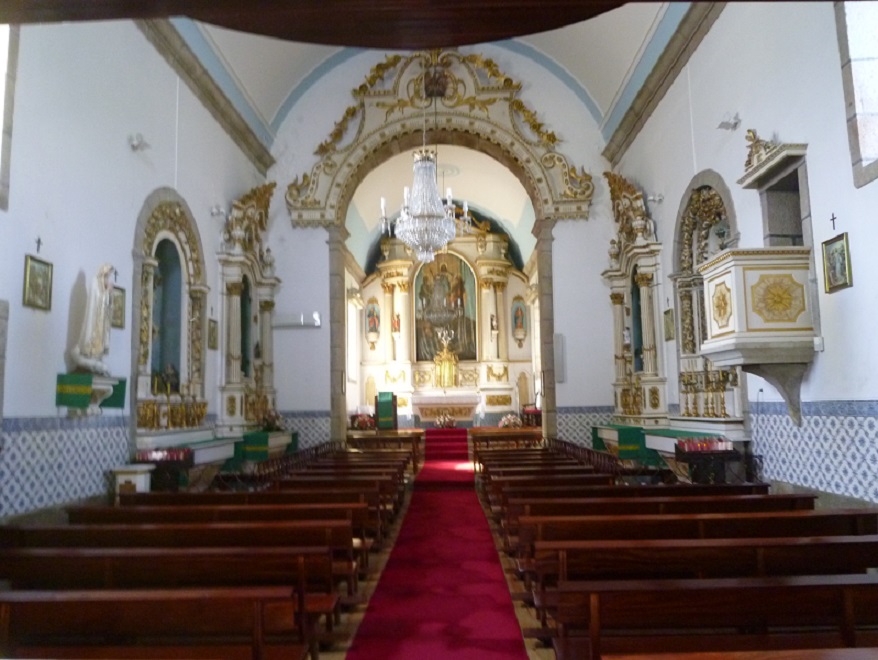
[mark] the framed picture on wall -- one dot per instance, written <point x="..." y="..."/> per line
<point x="837" y="263"/>
<point x="212" y="334"/>
<point x="37" y="283"/>
<point x="117" y="307"/>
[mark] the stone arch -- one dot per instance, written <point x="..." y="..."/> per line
<point x="476" y="106"/>
<point x="711" y="179"/>
<point x="473" y="104"/>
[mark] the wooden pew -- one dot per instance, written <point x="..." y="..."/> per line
<point x="253" y="623"/>
<point x="389" y="489"/>
<point x="376" y="526"/>
<point x="597" y="618"/>
<point x="819" y="522"/>
<point x="796" y="654"/>
<point x="308" y="570"/>
<point x="620" y="506"/>
<point x="156" y="532"/>
<point x="167" y="526"/>
<point x="823" y="522"/>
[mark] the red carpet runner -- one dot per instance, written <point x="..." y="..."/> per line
<point x="442" y="593"/>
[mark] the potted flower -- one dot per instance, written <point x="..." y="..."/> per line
<point x="363" y="423"/>
<point x="271" y="421"/>
<point x="511" y="421"/>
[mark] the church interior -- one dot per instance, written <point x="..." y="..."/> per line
<point x="629" y="230"/>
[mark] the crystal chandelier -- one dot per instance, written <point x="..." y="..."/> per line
<point x="425" y="223"/>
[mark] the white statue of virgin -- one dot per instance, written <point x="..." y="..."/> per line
<point x="94" y="338"/>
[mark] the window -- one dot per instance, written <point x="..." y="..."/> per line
<point x="857" y="24"/>
<point x="8" y="66"/>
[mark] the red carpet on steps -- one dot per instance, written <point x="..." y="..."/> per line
<point x="443" y="593"/>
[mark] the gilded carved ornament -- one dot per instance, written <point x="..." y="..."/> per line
<point x="248" y="221"/>
<point x="171" y="217"/>
<point x="234" y="288"/>
<point x="266" y="305"/>
<point x="472" y="96"/>
<point x="497" y="376"/>
<point x="629" y="211"/>
<point x="498" y="400"/>
<point x="722" y="304"/>
<point x="617" y="298"/>
<point x="778" y="298"/>
<point x="704" y="210"/>
<point x="643" y="279"/>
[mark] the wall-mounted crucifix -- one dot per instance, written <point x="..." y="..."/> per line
<point x="39" y="243"/>
<point x="832" y="220"/>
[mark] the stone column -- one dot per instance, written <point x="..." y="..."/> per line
<point x="618" y="300"/>
<point x="386" y="318"/>
<point x="197" y="339"/>
<point x="266" y="340"/>
<point x="404" y="309"/>
<point x="147" y="281"/>
<point x="337" y="300"/>
<point x="547" y="326"/>
<point x="647" y="322"/>
<point x="233" y="332"/>
<point x="489" y="348"/>
<point x="502" y="322"/>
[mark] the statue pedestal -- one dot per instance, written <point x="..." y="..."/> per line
<point x="83" y="394"/>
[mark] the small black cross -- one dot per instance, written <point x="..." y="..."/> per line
<point x="39" y="243"/>
<point x="832" y="220"/>
<point x="115" y="275"/>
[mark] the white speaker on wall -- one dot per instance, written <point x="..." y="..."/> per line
<point x="560" y="359"/>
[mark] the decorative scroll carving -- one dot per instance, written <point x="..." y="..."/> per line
<point x="498" y="400"/>
<point x="495" y="376"/>
<point x="468" y="377"/>
<point x="633" y="223"/>
<point x="704" y="210"/>
<point x="472" y="96"/>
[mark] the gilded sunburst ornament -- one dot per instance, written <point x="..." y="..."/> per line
<point x="722" y="304"/>
<point x="778" y="298"/>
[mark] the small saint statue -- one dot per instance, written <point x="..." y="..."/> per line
<point x="94" y="338"/>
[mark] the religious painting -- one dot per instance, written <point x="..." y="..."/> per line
<point x="117" y="308"/>
<point x="212" y="334"/>
<point x="519" y="320"/>
<point x="37" y="283"/>
<point x="837" y="263"/>
<point x="669" y="324"/>
<point x="446" y="308"/>
<point x="373" y="322"/>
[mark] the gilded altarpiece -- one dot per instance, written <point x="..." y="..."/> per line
<point x="171" y="403"/>
<point x="639" y="385"/>
<point x="247" y="271"/>
<point x="710" y="396"/>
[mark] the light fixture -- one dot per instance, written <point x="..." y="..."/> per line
<point x="137" y="142"/>
<point x="426" y="224"/>
<point x="730" y="124"/>
<point x="217" y="211"/>
<point x="658" y="198"/>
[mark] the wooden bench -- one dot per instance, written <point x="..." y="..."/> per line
<point x="308" y="570"/>
<point x="619" y="506"/>
<point x="389" y="489"/>
<point x="254" y="623"/>
<point x="164" y="531"/>
<point x="730" y="614"/>
<point x="797" y="654"/>
<point x="820" y="522"/>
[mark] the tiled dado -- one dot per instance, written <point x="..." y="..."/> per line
<point x="45" y="462"/>
<point x="575" y="424"/>
<point x="51" y="461"/>
<point x="312" y="425"/>
<point x="835" y="450"/>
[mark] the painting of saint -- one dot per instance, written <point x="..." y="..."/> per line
<point x="446" y="297"/>
<point x="373" y="317"/>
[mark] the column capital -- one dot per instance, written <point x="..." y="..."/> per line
<point x="643" y="279"/>
<point x="387" y="286"/>
<point x="234" y="288"/>
<point x="266" y="305"/>
<point x="617" y="298"/>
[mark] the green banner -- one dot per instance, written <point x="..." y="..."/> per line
<point x="73" y="390"/>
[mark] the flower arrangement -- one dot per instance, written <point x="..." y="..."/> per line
<point x="363" y="422"/>
<point x="271" y="420"/>
<point x="511" y="421"/>
<point x="445" y="421"/>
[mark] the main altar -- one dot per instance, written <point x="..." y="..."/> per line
<point x="456" y="336"/>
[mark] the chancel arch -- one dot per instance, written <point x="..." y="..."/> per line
<point x="168" y="347"/>
<point x="477" y="106"/>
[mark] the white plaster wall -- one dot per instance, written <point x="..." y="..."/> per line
<point x="785" y="83"/>
<point x="81" y="90"/>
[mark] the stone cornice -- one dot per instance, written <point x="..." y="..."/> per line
<point x="170" y="45"/>
<point x="692" y="29"/>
